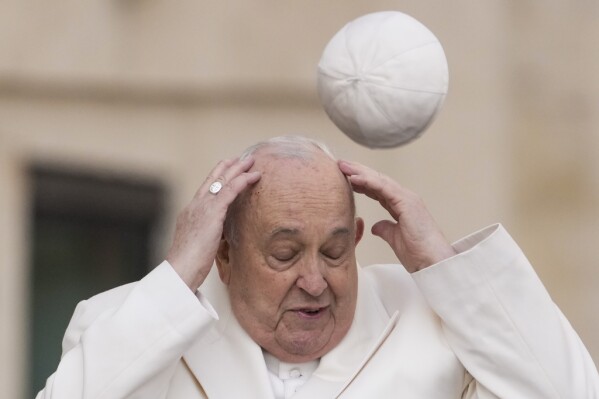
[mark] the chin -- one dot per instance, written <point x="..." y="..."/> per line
<point x="299" y="356"/>
<point x="306" y="347"/>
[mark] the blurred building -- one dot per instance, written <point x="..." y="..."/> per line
<point x="112" y="112"/>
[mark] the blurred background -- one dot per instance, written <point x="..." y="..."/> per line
<point x="113" y="111"/>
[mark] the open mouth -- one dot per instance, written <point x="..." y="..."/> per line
<point x="311" y="312"/>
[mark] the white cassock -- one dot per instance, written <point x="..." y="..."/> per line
<point x="478" y="325"/>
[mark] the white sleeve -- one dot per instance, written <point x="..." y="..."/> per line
<point x="126" y="342"/>
<point x="503" y="326"/>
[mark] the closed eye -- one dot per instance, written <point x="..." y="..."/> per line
<point x="336" y="248"/>
<point x="334" y="253"/>
<point x="283" y="258"/>
<point x="332" y="256"/>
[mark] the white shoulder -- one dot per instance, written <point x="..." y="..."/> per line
<point x="392" y="283"/>
<point x="89" y="310"/>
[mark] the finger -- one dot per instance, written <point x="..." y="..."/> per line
<point x="373" y="184"/>
<point x="219" y="169"/>
<point x="229" y="170"/>
<point x="237" y="185"/>
<point x="369" y="181"/>
<point x="224" y="172"/>
<point x="350" y="168"/>
<point x="364" y="179"/>
<point x="384" y="229"/>
<point x="237" y="168"/>
<point x="353" y="171"/>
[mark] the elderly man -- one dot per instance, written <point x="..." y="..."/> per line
<point x="288" y="313"/>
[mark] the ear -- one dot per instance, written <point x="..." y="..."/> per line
<point x="359" y="230"/>
<point x="223" y="261"/>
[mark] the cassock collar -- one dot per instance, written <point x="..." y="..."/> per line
<point x="228" y="363"/>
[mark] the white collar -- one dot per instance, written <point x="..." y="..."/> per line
<point x="285" y="371"/>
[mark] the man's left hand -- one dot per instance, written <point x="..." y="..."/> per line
<point x="413" y="235"/>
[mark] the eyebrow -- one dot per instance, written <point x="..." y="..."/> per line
<point x="283" y="231"/>
<point x="340" y="231"/>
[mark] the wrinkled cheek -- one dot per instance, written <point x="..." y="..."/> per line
<point x="344" y="314"/>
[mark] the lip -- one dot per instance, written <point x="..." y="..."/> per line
<point x="311" y="312"/>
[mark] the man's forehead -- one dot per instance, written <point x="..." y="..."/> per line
<point x="298" y="217"/>
<point x="297" y="174"/>
<point x="293" y="189"/>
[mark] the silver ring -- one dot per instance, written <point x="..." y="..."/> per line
<point x="215" y="187"/>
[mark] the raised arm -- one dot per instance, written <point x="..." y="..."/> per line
<point x="498" y="318"/>
<point x="126" y="343"/>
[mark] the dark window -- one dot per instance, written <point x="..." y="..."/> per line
<point x="90" y="233"/>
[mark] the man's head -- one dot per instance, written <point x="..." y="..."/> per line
<point x="288" y="253"/>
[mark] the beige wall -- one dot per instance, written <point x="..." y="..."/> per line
<point x="163" y="89"/>
<point x="555" y="152"/>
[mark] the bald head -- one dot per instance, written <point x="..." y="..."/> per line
<point x="290" y="166"/>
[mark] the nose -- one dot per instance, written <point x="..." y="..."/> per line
<point x="311" y="279"/>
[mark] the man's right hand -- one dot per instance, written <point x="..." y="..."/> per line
<point x="200" y="224"/>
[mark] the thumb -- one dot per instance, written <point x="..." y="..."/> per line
<point x="384" y="229"/>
